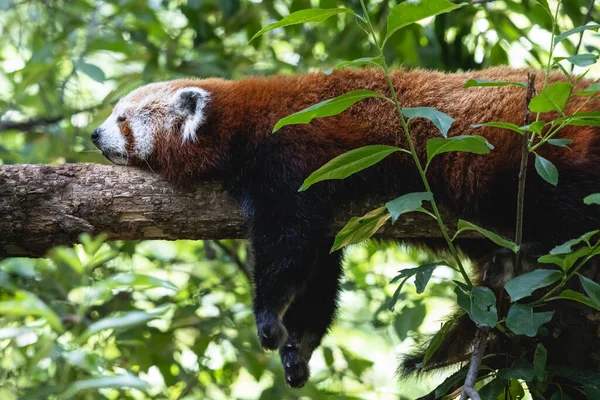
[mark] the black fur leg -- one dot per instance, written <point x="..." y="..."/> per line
<point x="284" y="240"/>
<point x="310" y="315"/>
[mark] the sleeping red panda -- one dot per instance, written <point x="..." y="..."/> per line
<point x="192" y="129"/>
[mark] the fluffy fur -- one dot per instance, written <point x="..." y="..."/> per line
<point x="296" y="278"/>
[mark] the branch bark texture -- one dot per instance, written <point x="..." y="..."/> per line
<point x="43" y="206"/>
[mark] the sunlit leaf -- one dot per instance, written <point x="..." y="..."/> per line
<point x="466" y="143"/>
<point x="303" y="16"/>
<point x="441" y="120"/>
<point x="502" y="125"/>
<point x="326" y="108"/>
<point x="552" y="98"/>
<point x="486" y="83"/>
<point x="114" y="381"/>
<point x="360" y="228"/>
<point x="412" y="11"/>
<point x="26" y="303"/>
<point x="349" y="163"/>
<point x="592" y="89"/>
<point x="91" y="70"/>
<point x="359" y="62"/>
<point x="564" y="35"/>
<point x="565" y="261"/>
<point x="581" y="60"/>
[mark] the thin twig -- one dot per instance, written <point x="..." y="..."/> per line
<point x="468" y="389"/>
<point x="523" y="169"/>
<point x="31" y="124"/>
<point x="246" y="269"/>
<point x="587" y="18"/>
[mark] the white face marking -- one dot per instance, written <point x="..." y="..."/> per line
<point x="149" y="110"/>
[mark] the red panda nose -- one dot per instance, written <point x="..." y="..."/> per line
<point x="96" y="135"/>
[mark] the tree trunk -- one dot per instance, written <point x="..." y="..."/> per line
<point x="45" y="206"/>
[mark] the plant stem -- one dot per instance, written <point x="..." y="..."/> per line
<point x="413" y="151"/>
<point x="468" y="389"/>
<point x="523" y="170"/>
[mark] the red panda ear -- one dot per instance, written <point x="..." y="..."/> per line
<point x="190" y="103"/>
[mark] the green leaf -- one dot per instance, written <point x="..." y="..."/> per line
<point x="349" y="163"/>
<point x="467" y="143"/>
<point x="441" y="120"/>
<point x="114" y="381"/>
<point x="581" y="60"/>
<point x="423" y="274"/>
<point x="92" y="71"/>
<point x="326" y="108"/>
<point x="26" y="303"/>
<point x="592" y="199"/>
<point x="523" y="285"/>
<point x="567" y="247"/>
<point x="360" y="228"/>
<point x="539" y="362"/>
<point x="409" y="12"/>
<point x="520" y="370"/>
<point x="409" y="319"/>
<point x="480" y="304"/>
<point x="590" y="90"/>
<point x="437" y="340"/>
<point x="546" y="170"/>
<point x="560" y="142"/>
<point x="535" y="127"/>
<point x="485" y="83"/>
<point x="355" y="63"/>
<point x="563" y="36"/>
<point x="136" y="281"/>
<point x="492" y="389"/>
<point x="552" y="98"/>
<point x="303" y="16"/>
<point x="121" y="321"/>
<point x="468" y="226"/>
<point x="591" y="288"/>
<point x="565" y="261"/>
<point x="501" y="125"/>
<point x="523" y="321"/>
<point x="579" y="297"/>
<point x="406" y="203"/>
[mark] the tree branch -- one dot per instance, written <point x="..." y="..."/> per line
<point x="31" y="124"/>
<point x="43" y="206"/>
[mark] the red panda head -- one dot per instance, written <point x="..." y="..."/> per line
<point x="161" y="125"/>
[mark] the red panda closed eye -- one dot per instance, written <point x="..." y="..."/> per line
<point x="188" y="129"/>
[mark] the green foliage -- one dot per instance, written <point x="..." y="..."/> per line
<point x="479" y="303"/>
<point x="349" y="163"/>
<point x="326" y="108"/>
<point x="524" y="285"/>
<point x="441" y="120"/>
<point x="359" y="229"/>
<point x="407" y="203"/>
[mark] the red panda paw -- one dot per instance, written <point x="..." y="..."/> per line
<point x="271" y="332"/>
<point x="294" y="366"/>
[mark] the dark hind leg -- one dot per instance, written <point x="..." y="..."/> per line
<point x="309" y="316"/>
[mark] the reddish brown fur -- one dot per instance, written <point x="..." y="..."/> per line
<point x="260" y="102"/>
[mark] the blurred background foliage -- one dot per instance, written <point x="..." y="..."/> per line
<point x="172" y="320"/>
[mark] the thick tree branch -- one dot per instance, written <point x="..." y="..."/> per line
<point x="44" y="206"/>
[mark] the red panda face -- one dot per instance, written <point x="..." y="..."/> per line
<point x="164" y="112"/>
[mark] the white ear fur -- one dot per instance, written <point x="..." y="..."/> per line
<point x="190" y="103"/>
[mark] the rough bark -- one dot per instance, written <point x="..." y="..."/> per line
<point x="43" y="206"/>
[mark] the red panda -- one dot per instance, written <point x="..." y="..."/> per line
<point x="192" y="129"/>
